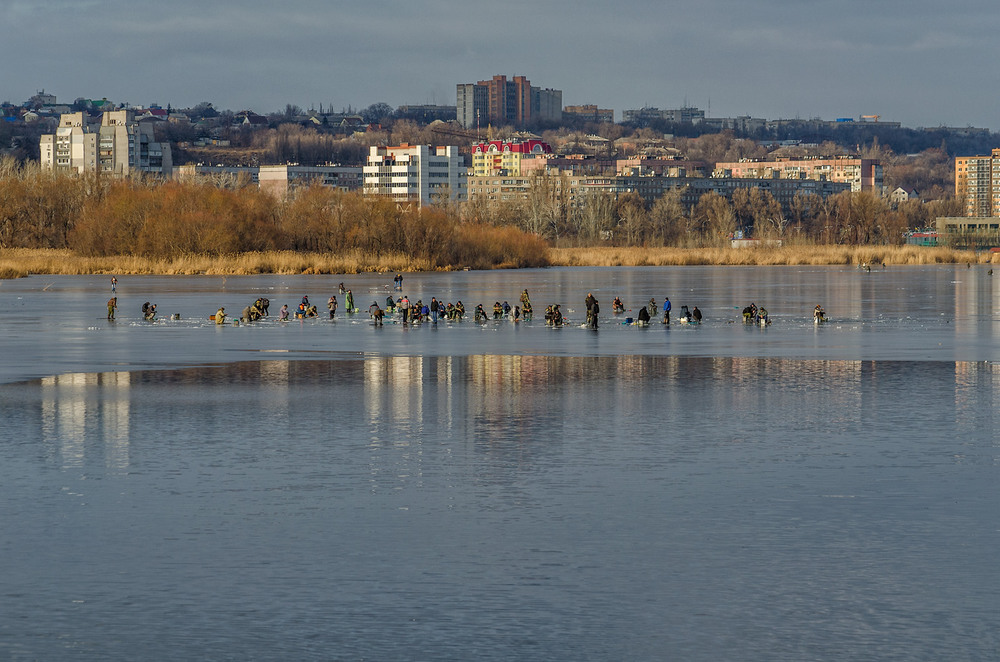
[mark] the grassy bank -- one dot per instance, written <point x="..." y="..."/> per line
<point x="786" y="255"/>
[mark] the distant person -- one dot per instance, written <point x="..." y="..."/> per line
<point x="376" y="313"/>
<point x="283" y="315"/>
<point x="114" y="284"/>
<point x="595" y="308"/>
<point x="350" y="302"/>
<point x="404" y="307"/>
<point x="666" y="310"/>
<point x="332" y="305"/>
<point x="151" y="312"/>
<point x="220" y="316"/>
<point x="643" y="316"/>
<point x="112" y="305"/>
<point x="696" y="314"/>
<point x="589" y="302"/>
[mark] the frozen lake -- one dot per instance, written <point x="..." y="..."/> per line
<point x="329" y="490"/>
<point x="57" y="324"/>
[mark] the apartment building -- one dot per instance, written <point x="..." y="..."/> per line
<point x="415" y="173"/>
<point x="118" y="145"/>
<point x="280" y="180"/>
<point x="590" y="113"/>
<point x="502" y="101"/>
<point x="646" y="115"/>
<point x="861" y="174"/>
<point x="500" y="157"/>
<point x="977" y="184"/>
<point x="574" y="189"/>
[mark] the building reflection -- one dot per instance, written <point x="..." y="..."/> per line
<point x="79" y="408"/>
<point x="509" y="412"/>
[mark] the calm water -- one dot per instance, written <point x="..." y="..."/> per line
<point x="327" y="490"/>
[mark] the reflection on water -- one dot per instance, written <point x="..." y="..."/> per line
<point x="77" y="407"/>
<point x="504" y="507"/>
<point x="489" y="398"/>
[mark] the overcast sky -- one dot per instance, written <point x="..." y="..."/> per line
<point x="919" y="62"/>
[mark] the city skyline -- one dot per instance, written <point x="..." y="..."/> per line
<point x="904" y="61"/>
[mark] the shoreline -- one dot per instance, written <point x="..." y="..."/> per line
<point x="21" y="262"/>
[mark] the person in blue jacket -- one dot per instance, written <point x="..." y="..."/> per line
<point x="666" y="310"/>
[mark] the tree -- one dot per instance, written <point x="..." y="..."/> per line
<point x="375" y="113"/>
<point x="633" y="221"/>
<point x="667" y="219"/>
<point x="713" y="217"/>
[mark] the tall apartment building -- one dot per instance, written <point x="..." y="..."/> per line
<point x="502" y="101"/>
<point x="975" y="177"/>
<point x="861" y="174"/>
<point x="415" y="173"/>
<point x="118" y="145"/>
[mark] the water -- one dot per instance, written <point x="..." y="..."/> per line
<point x="318" y="490"/>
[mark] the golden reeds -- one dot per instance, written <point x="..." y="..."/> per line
<point x="609" y="256"/>
<point x="17" y="262"/>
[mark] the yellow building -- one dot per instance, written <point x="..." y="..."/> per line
<point x="498" y="157"/>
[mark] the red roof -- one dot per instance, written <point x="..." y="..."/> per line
<point x="516" y="147"/>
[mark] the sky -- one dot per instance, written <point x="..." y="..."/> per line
<point x="924" y="63"/>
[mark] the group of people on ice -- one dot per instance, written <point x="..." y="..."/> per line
<point x="754" y="315"/>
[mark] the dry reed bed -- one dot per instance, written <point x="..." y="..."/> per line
<point x="19" y="262"/>
<point x="786" y="255"/>
<point x="15" y="263"/>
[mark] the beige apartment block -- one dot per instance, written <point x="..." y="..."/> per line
<point x="861" y="174"/>
<point x="117" y="145"/>
<point x="977" y="184"/>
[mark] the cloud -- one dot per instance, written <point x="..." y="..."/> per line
<point x="772" y="58"/>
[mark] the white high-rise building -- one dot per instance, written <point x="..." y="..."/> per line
<point x="117" y="146"/>
<point x="415" y="173"/>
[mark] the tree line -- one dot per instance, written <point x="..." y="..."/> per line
<point x="101" y="216"/>
<point x="713" y="220"/>
<point x="96" y="215"/>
